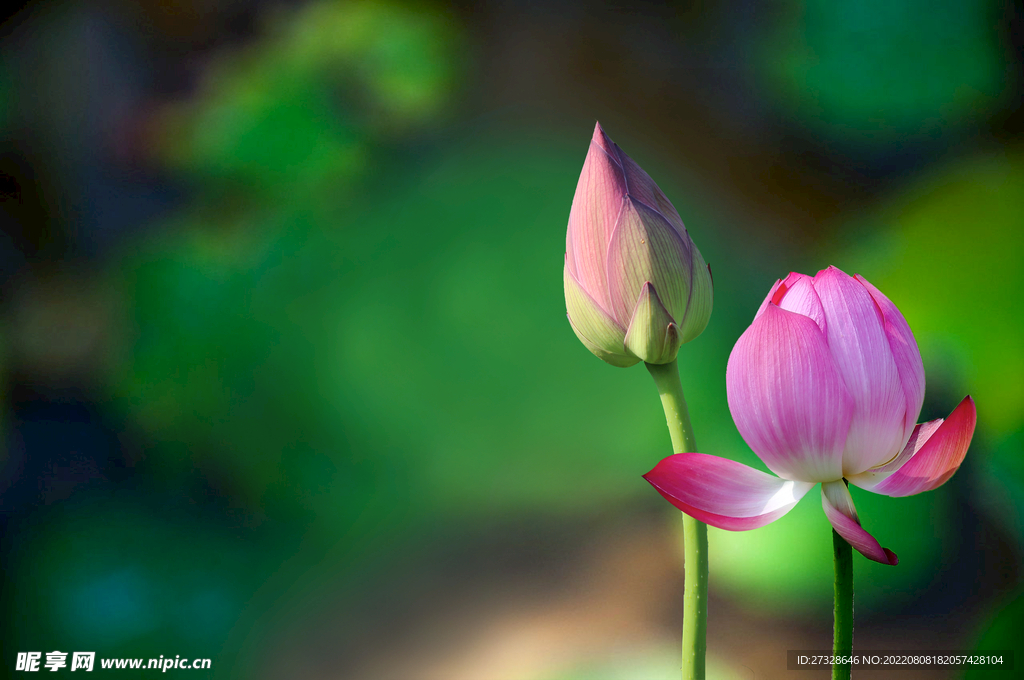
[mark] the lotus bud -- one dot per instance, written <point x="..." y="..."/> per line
<point x="636" y="287"/>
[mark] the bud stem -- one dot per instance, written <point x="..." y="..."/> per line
<point x="695" y="533"/>
<point x="842" y="637"/>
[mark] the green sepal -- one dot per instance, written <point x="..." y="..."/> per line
<point x="593" y="326"/>
<point x="652" y="335"/>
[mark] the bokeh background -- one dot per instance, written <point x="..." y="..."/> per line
<point x="286" y="376"/>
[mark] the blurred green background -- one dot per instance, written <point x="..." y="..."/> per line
<point x="287" y="379"/>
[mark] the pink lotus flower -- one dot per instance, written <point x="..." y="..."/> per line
<point x="636" y="287"/>
<point x="825" y="386"/>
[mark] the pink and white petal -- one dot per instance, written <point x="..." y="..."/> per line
<point x="599" y="198"/>
<point x="937" y="458"/>
<point x="872" y="477"/>
<point x="839" y="497"/>
<point x="849" y="527"/>
<point x="787" y="397"/>
<point x="858" y="343"/>
<point x="904" y="351"/>
<point x="724" y="493"/>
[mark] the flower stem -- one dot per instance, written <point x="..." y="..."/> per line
<point x="695" y="533"/>
<point x="842" y="639"/>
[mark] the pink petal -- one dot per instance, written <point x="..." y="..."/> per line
<point x="904" y="351"/>
<point x="768" y="298"/>
<point x="801" y="298"/>
<point x="724" y="493"/>
<point x="600" y="194"/>
<point x="861" y="350"/>
<point x="847" y="526"/>
<point x="642" y="188"/>
<point x="796" y="293"/>
<point x="787" y="397"/>
<point x="646" y="249"/>
<point x="872" y="477"/>
<point x="936" y="457"/>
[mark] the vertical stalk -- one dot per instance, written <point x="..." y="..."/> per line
<point x="695" y="533"/>
<point x="842" y="639"/>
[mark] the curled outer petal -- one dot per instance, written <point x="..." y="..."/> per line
<point x="598" y="331"/>
<point x="935" y="451"/>
<point x="787" y="397"/>
<point x="724" y="493"/>
<point x="858" y="344"/>
<point x="838" y="505"/>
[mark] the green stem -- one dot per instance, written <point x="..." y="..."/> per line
<point x="695" y="533"/>
<point x="842" y="639"/>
